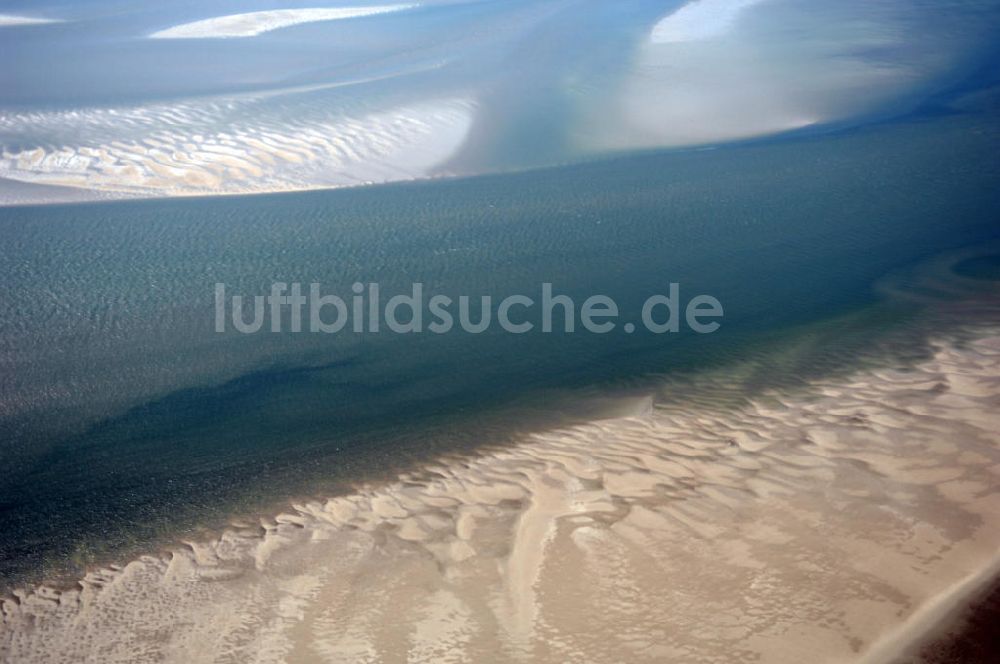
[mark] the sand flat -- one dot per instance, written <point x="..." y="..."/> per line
<point x="715" y="71"/>
<point x="401" y="143"/>
<point x="700" y="19"/>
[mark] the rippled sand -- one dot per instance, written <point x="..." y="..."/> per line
<point x="833" y="522"/>
<point x="201" y="149"/>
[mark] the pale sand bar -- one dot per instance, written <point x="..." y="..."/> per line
<point x="700" y="19"/>
<point x="181" y="152"/>
<point x="255" y="23"/>
<point x="13" y="20"/>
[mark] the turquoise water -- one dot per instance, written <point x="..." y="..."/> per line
<point x="125" y="419"/>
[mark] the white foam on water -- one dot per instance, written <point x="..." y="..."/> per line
<point x="255" y="23"/>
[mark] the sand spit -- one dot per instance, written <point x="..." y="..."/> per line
<point x="201" y="149"/>
<point x="12" y="20"/>
<point x="715" y="71"/>
<point x="255" y="23"/>
<point x="701" y="19"/>
<point x="806" y="525"/>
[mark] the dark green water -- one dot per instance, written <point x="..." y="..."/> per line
<point x="125" y="419"/>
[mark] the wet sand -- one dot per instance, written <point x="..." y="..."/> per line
<point x="189" y="160"/>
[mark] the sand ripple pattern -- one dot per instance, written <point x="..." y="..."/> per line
<point x="225" y="147"/>
<point x="804" y="526"/>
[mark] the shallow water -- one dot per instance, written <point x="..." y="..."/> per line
<point x="110" y="359"/>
